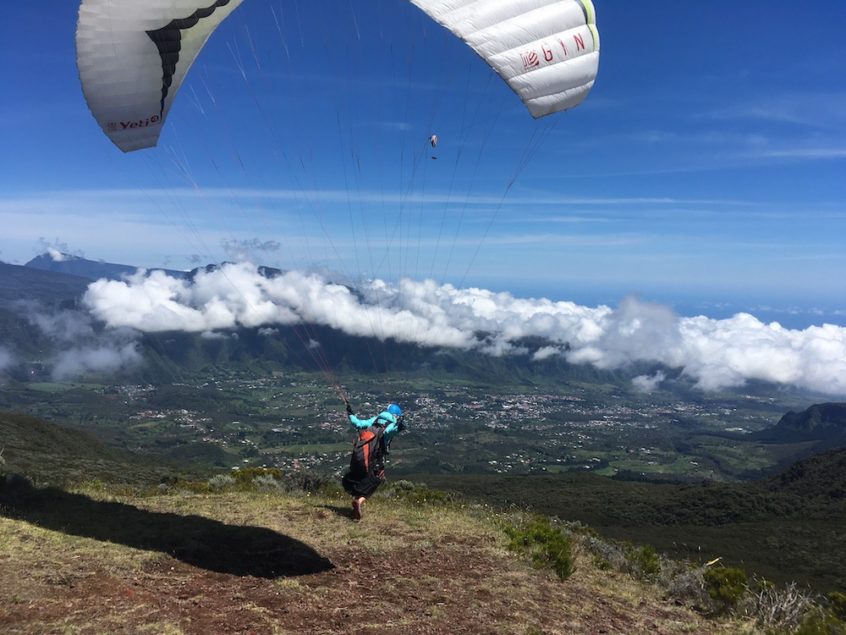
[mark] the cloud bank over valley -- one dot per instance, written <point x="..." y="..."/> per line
<point x="80" y="347"/>
<point x="715" y="353"/>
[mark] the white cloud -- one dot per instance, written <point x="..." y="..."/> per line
<point x="636" y="331"/>
<point x="237" y="295"/>
<point x="820" y="110"/>
<point x="135" y="203"/>
<point x="82" y="349"/>
<point x="56" y="255"/>
<point x="545" y="352"/>
<point x="249" y="249"/>
<point x="97" y="358"/>
<point x="715" y="353"/>
<point x="214" y="335"/>
<point x="6" y="358"/>
<point x="803" y="153"/>
<point x="648" y="383"/>
<point x="63" y="326"/>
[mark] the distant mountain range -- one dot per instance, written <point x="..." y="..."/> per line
<point x="55" y="282"/>
<point x="99" y="269"/>
<point x="84" y="268"/>
<point x="58" y="281"/>
<point x="51" y="287"/>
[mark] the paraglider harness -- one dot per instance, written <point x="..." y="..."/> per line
<point x="369" y="451"/>
<point x="367" y="463"/>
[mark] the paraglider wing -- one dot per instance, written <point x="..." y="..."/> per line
<point x="132" y="57"/>
<point x="546" y="50"/>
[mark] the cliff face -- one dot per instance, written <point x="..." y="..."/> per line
<point x="820" y="422"/>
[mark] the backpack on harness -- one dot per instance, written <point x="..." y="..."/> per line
<point x="369" y="450"/>
<point x="367" y="463"/>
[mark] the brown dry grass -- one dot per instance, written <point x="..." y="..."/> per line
<point x="403" y="569"/>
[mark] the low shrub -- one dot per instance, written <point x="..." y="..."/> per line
<point x="246" y="475"/>
<point x="548" y="546"/>
<point x="266" y="483"/>
<point x="418" y="493"/>
<point x="685" y="584"/>
<point x="270" y="479"/>
<point x="821" y="622"/>
<point x="775" y="608"/>
<point x="836" y="602"/>
<point x="220" y="482"/>
<point x="311" y="483"/>
<point x="642" y="562"/>
<point x="606" y="555"/>
<point x="726" y="586"/>
<point x="401" y="486"/>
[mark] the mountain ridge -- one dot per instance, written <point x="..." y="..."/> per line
<point x="58" y="262"/>
<point x="59" y="454"/>
<point x="819" y="422"/>
<point x="170" y="354"/>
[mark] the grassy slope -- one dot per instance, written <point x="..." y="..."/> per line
<point x="787" y="532"/>
<point x="94" y="561"/>
<point x="51" y="453"/>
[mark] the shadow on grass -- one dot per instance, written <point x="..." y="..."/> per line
<point x="343" y="511"/>
<point x="195" y="540"/>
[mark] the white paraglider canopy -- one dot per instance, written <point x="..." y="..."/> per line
<point x="133" y="55"/>
<point x="546" y="50"/>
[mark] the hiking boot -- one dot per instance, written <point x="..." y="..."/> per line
<point x="356" y="505"/>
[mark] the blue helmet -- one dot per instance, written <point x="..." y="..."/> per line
<point x="394" y="409"/>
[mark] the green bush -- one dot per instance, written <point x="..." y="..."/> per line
<point x="607" y="555"/>
<point x="220" y="482"/>
<point x="548" y="546"/>
<point x="837" y="604"/>
<point x="685" y="584"/>
<point x="266" y="483"/>
<point x="246" y="476"/>
<point x="726" y="586"/>
<point x="643" y="562"/>
<point x="309" y="482"/>
<point x="402" y="486"/>
<point x="640" y="562"/>
<point x="418" y="493"/>
<point x="821" y="623"/>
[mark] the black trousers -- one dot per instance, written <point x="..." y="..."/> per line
<point x="362" y="484"/>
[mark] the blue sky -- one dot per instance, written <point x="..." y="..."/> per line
<point x="705" y="170"/>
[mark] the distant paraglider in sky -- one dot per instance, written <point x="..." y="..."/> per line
<point x="547" y="52"/>
<point x="433" y="141"/>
